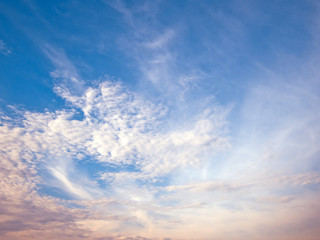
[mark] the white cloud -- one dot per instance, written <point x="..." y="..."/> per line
<point x="4" y="49"/>
<point x="71" y="187"/>
<point x="61" y="62"/>
<point x="118" y="128"/>
<point x="160" y="41"/>
<point x="66" y="75"/>
<point x="206" y="187"/>
<point x="155" y="51"/>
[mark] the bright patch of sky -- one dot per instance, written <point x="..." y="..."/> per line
<point x="159" y="119"/>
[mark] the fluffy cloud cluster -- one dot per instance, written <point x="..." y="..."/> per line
<point x="112" y="125"/>
<point x="107" y="124"/>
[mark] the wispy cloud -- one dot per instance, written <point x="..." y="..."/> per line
<point x="71" y="187"/>
<point x="155" y="52"/>
<point x="61" y="62"/>
<point x="4" y="49"/>
<point x="206" y="187"/>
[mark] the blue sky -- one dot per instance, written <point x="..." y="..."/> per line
<point x="159" y="119"/>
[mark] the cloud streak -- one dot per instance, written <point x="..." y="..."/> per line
<point x="4" y="49"/>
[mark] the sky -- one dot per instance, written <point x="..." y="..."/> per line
<point x="160" y="120"/>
